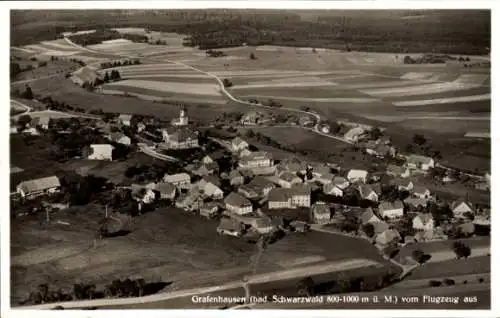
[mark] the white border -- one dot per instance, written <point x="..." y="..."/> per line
<point x="383" y="4"/>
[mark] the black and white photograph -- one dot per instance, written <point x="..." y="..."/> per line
<point x="249" y="158"/>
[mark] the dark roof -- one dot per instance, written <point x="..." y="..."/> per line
<point x="419" y="189"/>
<point x="367" y="215"/>
<point x="230" y="224"/>
<point x="212" y="179"/>
<point x="183" y="134"/>
<point x="165" y="187"/>
<point x="288" y="176"/>
<point x="385" y="205"/>
<point x="301" y="189"/>
<point x="278" y="195"/>
<point x="40" y="184"/>
<point x="236" y="199"/>
<point x="365" y="190"/>
<point x="261" y="182"/>
<point x="235" y="174"/>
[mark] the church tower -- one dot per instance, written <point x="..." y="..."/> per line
<point x="183" y="118"/>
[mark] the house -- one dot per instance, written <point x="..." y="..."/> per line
<point x="423" y="221"/>
<point x="325" y="179"/>
<point x="320" y="169"/>
<point x="367" y="193"/>
<point x="292" y="164"/>
<point x="301" y="195"/>
<point x="143" y="194"/>
<point x="368" y="217"/>
<point x="235" y="178"/>
<point x="419" y="162"/>
<point x="459" y="208"/>
<point x="245" y="152"/>
<point x="209" y="209"/>
<point x="415" y="203"/>
<point x="37" y="187"/>
<point x="397" y="171"/>
<point x="41" y="122"/>
<point x="261" y="185"/>
<point x="256" y="160"/>
<point x="238" y="204"/>
<point x="230" y="227"/>
<point x="238" y="144"/>
<point x="286" y="179"/>
<point x="125" y="119"/>
<point x="320" y="213"/>
<point x="421" y="192"/>
<point x="248" y="191"/>
<point x="388" y="236"/>
<point x="101" y="152"/>
<point x="263" y="225"/>
<point x="167" y="190"/>
<point x="140" y="127"/>
<point x="299" y="226"/>
<point x="402" y="184"/>
<point x="354" y="134"/>
<point x="357" y="175"/>
<point x="180" y="180"/>
<point x="180" y="138"/>
<point x="120" y="138"/>
<point x="254" y="118"/>
<point x="190" y="201"/>
<point x="380" y="227"/>
<point x="202" y="170"/>
<point x="381" y="151"/>
<point x="207" y="160"/>
<point x="332" y="189"/>
<point x="210" y="188"/>
<point x="391" y="210"/>
<point x="341" y="183"/>
<point x="279" y="198"/>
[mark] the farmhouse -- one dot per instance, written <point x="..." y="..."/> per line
<point x="297" y="196"/>
<point x="419" y="162"/>
<point x="180" y="138"/>
<point x="369" y="217"/>
<point x="85" y="74"/>
<point x="180" y="180"/>
<point x="415" y="203"/>
<point x="263" y="225"/>
<point x="357" y="176"/>
<point x="230" y="227"/>
<point x="210" y="189"/>
<point x="367" y="193"/>
<point x="258" y="187"/>
<point x="256" y="160"/>
<point x="325" y="179"/>
<point x="459" y="208"/>
<point x="238" y="144"/>
<point x="423" y="221"/>
<point x="238" y="204"/>
<point x="320" y="213"/>
<point x="388" y="236"/>
<point x="37" y="187"/>
<point x="279" y="198"/>
<point x="101" y="152"/>
<point x="166" y="190"/>
<point x="381" y="151"/>
<point x="286" y="179"/>
<point x="354" y="134"/>
<point x="254" y="118"/>
<point x="397" y="171"/>
<point x="190" y="201"/>
<point x="119" y="138"/>
<point x="41" y="122"/>
<point x="391" y="210"/>
<point x="235" y="178"/>
<point x="332" y="189"/>
<point x="421" y="192"/>
<point x="125" y="119"/>
<point x="402" y="184"/>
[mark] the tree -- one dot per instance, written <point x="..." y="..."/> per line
<point x="252" y="56"/>
<point x="106" y="77"/>
<point x="43" y="289"/>
<point x="369" y="230"/>
<point x="23" y="121"/>
<point x="418" y="256"/>
<point x="305" y="287"/>
<point x="419" y="139"/>
<point x="461" y="250"/>
<point x="28" y="93"/>
<point x="227" y="83"/>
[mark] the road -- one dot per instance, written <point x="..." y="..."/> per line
<point x="281" y="280"/>
<point x="151" y="152"/>
<point x="26" y="107"/>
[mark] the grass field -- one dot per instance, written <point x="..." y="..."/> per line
<point x="173" y="87"/>
<point x="456" y="267"/>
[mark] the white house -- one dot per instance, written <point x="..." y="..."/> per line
<point x="210" y="189"/>
<point x="391" y="210"/>
<point x="101" y="152"/>
<point x="459" y="208"/>
<point x="256" y="160"/>
<point x="125" y="119"/>
<point x="181" y="180"/>
<point x="419" y="162"/>
<point x="238" y="144"/>
<point x="357" y="175"/>
<point x="143" y="194"/>
<point x="301" y="195"/>
<point x="332" y="189"/>
<point x="424" y="222"/>
<point x="297" y="196"/>
<point x="38" y="187"/>
<point x="238" y="204"/>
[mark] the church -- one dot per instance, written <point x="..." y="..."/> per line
<point x="179" y="136"/>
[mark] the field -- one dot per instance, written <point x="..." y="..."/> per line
<point x="476" y="265"/>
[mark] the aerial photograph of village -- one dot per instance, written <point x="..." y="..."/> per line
<point x="250" y="159"/>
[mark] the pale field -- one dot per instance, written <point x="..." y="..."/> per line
<point x="317" y="100"/>
<point x="449" y="100"/>
<point x="419" y="89"/>
<point x="184" y="88"/>
<point x="159" y="97"/>
<point x="58" y="45"/>
<point x="66" y="34"/>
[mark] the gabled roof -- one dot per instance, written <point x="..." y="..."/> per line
<point x="398" y="170"/>
<point x="321" y="168"/>
<point x="44" y="120"/>
<point x="125" y="117"/>
<point x="212" y="179"/>
<point x="261" y="182"/>
<point x="368" y="215"/>
<point x="355" y="173"/>
<point x="230" y="224"/>
<point x="236" y="199"/>
<point x="257" y="155"/>
<point x="327" y="176"/>
<point x="385" y="205"/>
<point x="365" y="190"/>
<point x="293" y="164"/>
<point x="455" y="204"/>
<point x="39" y="184"/>
<point x="424" y="217"/>
<point x="183" y="134"/>
<point x="264" y="222"/>
<point x="388" y="236"/>
<point x="401" y="182"/>
<point x="237" y="141"/>
<point x="235" y="174"/>
<point x="278" y="195"/>
<point x="420" y="189"/>
<point x="339" y="180"/>
<point x="288" y="176"/>
<point x="165" y="187"/>
<point x="116" y="136"/>
<point x="356" y="131"/>
<point x="380" y="227"/>
<point x="301" y="189"/>
<point x="415" y="202"/>
<point x="176" y="177"/>
<point x="330" y="187"/>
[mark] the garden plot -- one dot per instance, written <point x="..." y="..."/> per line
<point x="174" y="87"/>
<point x="181" y="78"/>
<point x="423" y="89"/>
<point x="288" y="82"/>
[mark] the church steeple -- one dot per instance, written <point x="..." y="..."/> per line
<point x="183" y="118"/>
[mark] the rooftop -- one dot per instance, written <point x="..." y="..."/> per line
<point x="236" y="199"/>
<point x="39" y="184"/>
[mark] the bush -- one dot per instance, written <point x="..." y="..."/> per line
<point x="449" y="282"/>
<point x="480" y="280"/>
<point x="461" y="250"/>
<point x="434" y="283"/>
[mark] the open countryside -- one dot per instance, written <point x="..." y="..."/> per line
<point x="151" y="164"/>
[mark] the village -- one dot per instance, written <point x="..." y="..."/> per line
<point x="257" y="197"/>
